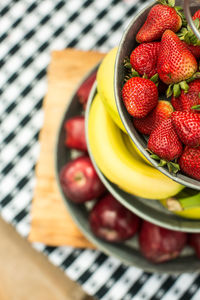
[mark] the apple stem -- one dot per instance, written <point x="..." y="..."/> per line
<point x="174" y="204"/>
<point x="79" y="176"/>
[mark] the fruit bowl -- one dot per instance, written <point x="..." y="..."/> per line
<point x="127" y="252"/>
<point x="127" y="44"/>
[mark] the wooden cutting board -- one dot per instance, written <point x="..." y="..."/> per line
<point x="51" y="223"/>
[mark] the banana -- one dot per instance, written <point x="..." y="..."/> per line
<point x="105" y="86"/>
<point x="132" y="148"/>
<point x="118" y="164"/>
<point x="130" y="144"/>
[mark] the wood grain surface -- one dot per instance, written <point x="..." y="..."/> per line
<point x="51" y="223"/>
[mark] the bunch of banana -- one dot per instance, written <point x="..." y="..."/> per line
<point x="119" y="162"/>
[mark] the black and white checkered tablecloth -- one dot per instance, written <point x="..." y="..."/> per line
<point x="29" y="30"/>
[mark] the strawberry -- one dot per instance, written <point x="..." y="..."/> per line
<point x="186" y="101"/>
<point x="175" y="62"/>
<point x="144" y="58"/>
<point x="140" y="96"/>
<point x="164" y="142"/>
<point x="187" y="126"/>
<point x="161" y="112"/>
<point x="196" y="15"/>
<point x="194" y="49"/>
<point x="84" y="90"/>
<point x="190" y="162"/>
<point x="160" y="18"/>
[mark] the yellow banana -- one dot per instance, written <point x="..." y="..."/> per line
<point x="105" y="86"/>
<point x="132" y="148"/>
<point x="129" y="143"/>
<point x="118" y="164"/>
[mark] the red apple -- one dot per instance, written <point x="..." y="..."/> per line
<point x="84" y="90"/>
<point x="111" y="221"/>
<point x="79" y="180"/>
<point x="158" y="244"/>
<point x="75" y="133"/>
<point x="194" y="242"/>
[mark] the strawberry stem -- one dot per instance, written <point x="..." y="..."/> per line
<point x="129" y="71"/>
<point x="170" y="3"/>
<point x="169" y="91"/>
<point x="173" y="167"/>
<point x="176" y="88"/>
<point x="154" y="78"/>
<point x="186" y="34"/>
<point x="174" y="204"/>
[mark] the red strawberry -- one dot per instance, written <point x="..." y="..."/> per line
<point x="195" y="49"/>
<point x="164" y="141"/>
<point x="160" y="18"/>
<point x="187" y="100"/>
<point x="190" y="162"/>
<point x="196" y="15"/>
<point x="161" y="112"/>
<point x="195" y="86"/>
<point x="144" y="58"/>
<point x="140" y="96"/>
<point x="187" y="126"/>
<point x="84" y="90"/>
<point x="175" y="61"/>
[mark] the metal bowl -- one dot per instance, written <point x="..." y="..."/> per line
<point x="127" y="252"/>
<point x="127" y="44"/>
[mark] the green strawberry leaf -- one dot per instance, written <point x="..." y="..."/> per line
<point x="184" y="86"/>
<point x="178" y="8"/>
<point x="127" y="63"/>
<point x="154" y="156"/>
<point x="196" y="107"/>
<point x="169" y="91"/>
<point x="129" y="71"/>
<point x="154" y="78"/>
<point x="163" y="2"/>
<point x="171" y="3"/>
<point x="145" y="76"/>
<point x="183" y="18"/>
<point x="134" y="73"/>
<point x="173" y="167"/>
<point x="176" y="90"/>
<point x="162" y="163"/>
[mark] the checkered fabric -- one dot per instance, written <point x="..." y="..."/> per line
<point x="29" y="30"/>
